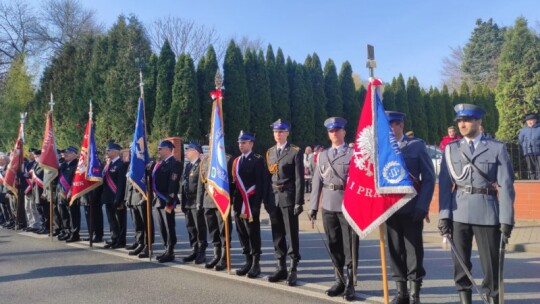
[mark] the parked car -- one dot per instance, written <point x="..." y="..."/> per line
<point x="436" y="157"/>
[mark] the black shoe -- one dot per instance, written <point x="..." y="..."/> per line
<point x="350" y="293"/>
<point x="215" y="259"/>
<point x="110" y="245"/>
<point x="73" y="238"/>
<point x="137" y="250"/>
<point x="465" y="296"/>
<point x="64" y="237"/>
<point x="98" y="239"/>
<point x="190" y="258"/>
<point x="132" y="246"/>
<point x="221" y="265"/>
<point x="246" y="267"/>
<point x="281" y="272"/>
<point x="402" y="296"/>
<point x="119" y="245"/>
<point x="291" y="278"/>
<point x="255" y="270"/>
<point x="168" y="257"/>
<point x="414" y="290"/>
<point x="43" y="231"/>
<point x="144" y="254"/>
<point x="201" y="257"/>
<point x="339" y="286"/>
<point x="56" y="233"/>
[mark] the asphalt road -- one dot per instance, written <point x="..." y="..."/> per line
<point x="36" y="270"/>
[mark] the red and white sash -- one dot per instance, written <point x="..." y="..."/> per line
<point x="246" y="209"/>
<point x="109" y="180"/>
<point x="36" y="179"/>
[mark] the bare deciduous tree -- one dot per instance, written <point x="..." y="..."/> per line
<point x="245" y="43"/>
<point x="451" y="72"/>
<point x="65" y="21"/>
<point x="185" y="36"/>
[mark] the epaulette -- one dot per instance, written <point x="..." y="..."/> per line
<point x="257" y="155"/>
<point x="272" y="148"/>
<point x="295" y="147"/>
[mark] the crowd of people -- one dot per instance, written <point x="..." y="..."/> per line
<point x="470" y="205"/>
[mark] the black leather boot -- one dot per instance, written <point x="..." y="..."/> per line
<point x="291" y="278"/>
<point x="222" y="265"/>
<point x="415" y="292"/>
<point x="73" y="238"/>
<point x="215" y="260"/>
<point x="137" y="250"/>
<point x="145" y="253"/>
<point x="246" y="267"/>
<point x="132" y="246"/>
<point x="191" y="257"/>
<point x="402" y="296"/>
<point x="465" y="296"/>
<point x="339" y="286"/>
<point x="168" y="257"/>
<point x="255" y="270"/>
<point x="281" y="272"/>
<point x="201" y="257"/>
<point x="350" y="293"/>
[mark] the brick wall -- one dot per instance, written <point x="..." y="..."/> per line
<point x="527" y="204"/>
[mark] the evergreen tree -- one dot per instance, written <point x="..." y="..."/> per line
<point x="432" y="124"/>
<point x="184" y="117"/>
<point x="235" y="96"/>
<point x="464" y="94"/>
<point x="334" y="104"/>
<point x="350" y="105"/>
<point x="206" y="83"/>
<point x="518" y="88"/>
<point x="314" y="68"/>
<point x="439" y="115"/>
<point x="14" y="100"/>
<point x="150" y="82"/>
<point x="302" y="130"/>
<point x="165" y="79"/>
<point x="449" y="106"/>
<point x="279" y="84"/>
<point x="389" y="97"/>
<point x="258" y="85"/>
<point x="402" y="104"/>
<point x="416" y="104"/>
<point x="481" y="53"/>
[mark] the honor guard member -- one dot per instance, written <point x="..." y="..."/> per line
<point x="328" y="185"/>
<point x="114" y="187"/>
<point x="40" y="200"/>
<point x="285" y="164"/>
<point x="136" y="202"/>
<point x="248" y="178"/>
<point x="9" y="219"/>
<point x="214" y="220"/>
<point x="193" y="208"/>
<point x="58" y="222"/>
<point x="476" y="199"/>
<point x="92" y="200"/>
<point x="71" y="215"/>
<point x="33" y="219"/>
<point x="405" y="226"/>
<point x="166" y="185"/>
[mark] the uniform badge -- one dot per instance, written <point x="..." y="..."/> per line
<point x="174" y="176"/>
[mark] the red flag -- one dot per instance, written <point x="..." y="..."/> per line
<point x="15" y="164"/>
<point x="49" y="158"/>
<point x="88" y="175"/>
<point x="368" y="201"/>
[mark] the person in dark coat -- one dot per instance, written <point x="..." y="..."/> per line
<point x="529" y="139"/>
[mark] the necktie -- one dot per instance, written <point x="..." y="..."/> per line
<point x="241" y="161"/>
<point x="278" y="152"/>
<point x="334" y="152"/>
<point x="187" y="170"/>
<point x="471" y="146"/>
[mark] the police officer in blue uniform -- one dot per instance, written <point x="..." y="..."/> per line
<point x="114" y="187"/>
<point x="405" y="227"/>
<point x="193" y="208"/>
<point x="247" y="194"/>
<point x="328" y="186"/>
<point x="476" y="199"/>
<point x="286" y="165"/>
<point x="166" y="186"/>
<point x="71" y="215"/>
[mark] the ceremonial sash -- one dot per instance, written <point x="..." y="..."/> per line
<point x="65" y="186"/>
<point x="36" y="179"/>
<point x="109" y="180"/>
<point x="159" y="194"/>
<point x="246" y="209"/>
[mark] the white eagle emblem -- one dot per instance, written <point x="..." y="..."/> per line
<point x="365" y="150"/>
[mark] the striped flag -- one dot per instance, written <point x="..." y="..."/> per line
<point x="15" y="164"/>
<point x="139" y="152"/>
<point x="49" y="158"/>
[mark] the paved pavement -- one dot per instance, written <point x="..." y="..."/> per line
<point x="315" y="270"/>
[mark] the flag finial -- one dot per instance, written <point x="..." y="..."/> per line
<point x="23" y="117"/>
<point x="371" y="64"/>
<point x="218" y="79"/>
<point x="90" y="113"/>
<point x="141" y="84"/>
<point x="51" y="103"/>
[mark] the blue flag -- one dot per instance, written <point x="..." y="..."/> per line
<point x="139" y="152"/>
<point x="218" y="178"/>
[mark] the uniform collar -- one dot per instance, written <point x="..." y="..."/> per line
<point x="246" y="154"/>
<point x="281" y="147"/>
<point x="475" y="140"/>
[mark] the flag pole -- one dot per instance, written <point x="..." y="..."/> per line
<point x="371" y="64"/>
<point x="91" y="207"/>
<point x="148" y="205"/>
<point x="51" y="211"/>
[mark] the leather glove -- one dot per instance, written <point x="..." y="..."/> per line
<point x="506" y="231"/>
<point x="298" y="209"/>
<point x="312" y="215"/>
<point x="419" y="215"/>
<point x="445" y="227"/>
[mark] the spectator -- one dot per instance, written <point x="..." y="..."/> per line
<point x="447" y="139"/>
<point x="409" y="134"/>
<point x="309" y="166"/>
<point x="529" y="139"/>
